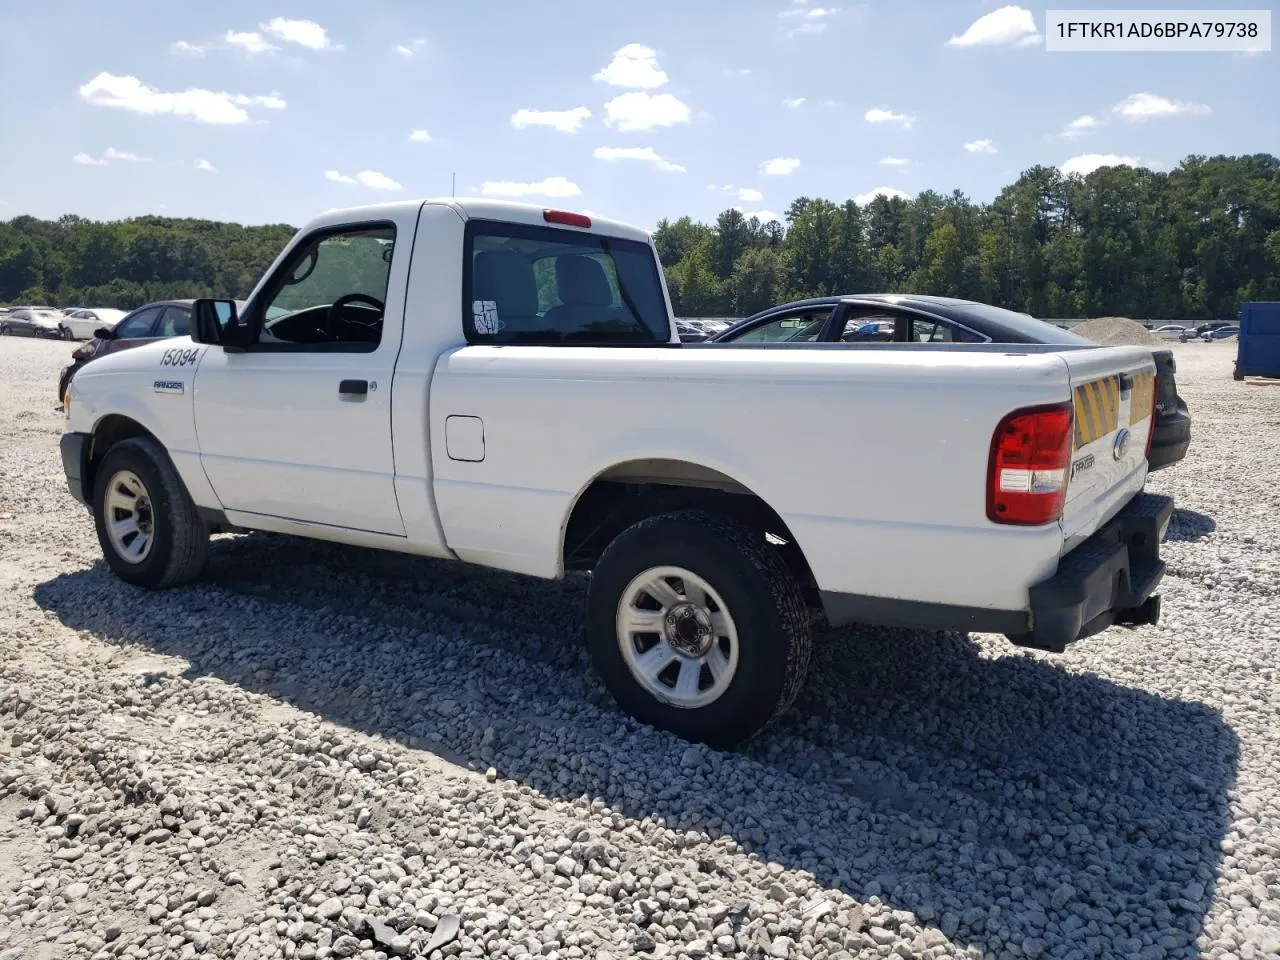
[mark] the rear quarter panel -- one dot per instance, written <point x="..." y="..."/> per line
<point x="875" y="459"/>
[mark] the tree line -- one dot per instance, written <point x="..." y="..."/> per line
<point x="1187" y="244"/>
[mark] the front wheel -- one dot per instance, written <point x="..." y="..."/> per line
<point x="697" y="626"/>
<point x="150" y="531"/>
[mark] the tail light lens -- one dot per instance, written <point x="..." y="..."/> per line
<point x="1027" y="471"/>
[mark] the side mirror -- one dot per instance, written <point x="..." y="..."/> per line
<point x="104" y="333"/>
<point x="217" y="323"/>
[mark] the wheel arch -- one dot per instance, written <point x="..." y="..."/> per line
<point x="632" y="490"/>
<point x="107" y="432"/>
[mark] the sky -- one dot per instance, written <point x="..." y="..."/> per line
<point x="273" y="111"/>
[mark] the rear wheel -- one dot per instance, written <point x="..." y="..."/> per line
<point x="150" y="530"/>
<point x="64" y="333"/>
<point x="697" y="626"/>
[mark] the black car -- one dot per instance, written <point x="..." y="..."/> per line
<point x="908" y="318"/>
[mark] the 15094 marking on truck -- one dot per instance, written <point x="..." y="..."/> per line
<point x="179" y="357"/>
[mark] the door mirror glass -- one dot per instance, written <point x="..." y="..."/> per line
<point x="216" y="322"/>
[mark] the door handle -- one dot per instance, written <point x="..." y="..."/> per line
<point x="353" y="388"/>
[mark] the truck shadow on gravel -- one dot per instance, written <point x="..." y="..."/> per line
<point x="1188" y="526"/>
<point x="1016" y="806"/>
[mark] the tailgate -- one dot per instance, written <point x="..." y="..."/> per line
<point x="1113" y="396"/>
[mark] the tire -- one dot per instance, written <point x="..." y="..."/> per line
<point x="64" y="333"/>
<point x="4" y="329"/>
<point x="178" y="541"/>
<point x="766" y="643"/>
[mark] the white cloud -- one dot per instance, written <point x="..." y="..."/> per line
<point x="187" y="49"/>
<point x="557" y="187"/>
<point x="205" y="106"/>
<point x="634" y="66"/>
<point x="805" y="12"/>
<point x="272" y="101"/>
<point x="366" y="178"/>
<point x="1079" y="127"/>
<point x="894" y="162"/>
<point x="206" y="166"/>
<point x="1008" y="26"/>
<point x="111" y="153"/>
<point x="750" y="195"/>
<point x="636" y="111"/>
<point x="764" y="216"/>
<point x="249" y="41"/>
<point x="1086" y="163"/>
<point x="809" y="27"/>
<point x="736" y="71"/>
<point x="566" y="121"/>
<point x="889" y="192"/>
<point x="980" y="146"/>
<point x="1148" y="106"/>
<point x="409" y="49"/>
<point x="305" y="33"/>
<point x="779" y="166"/>
<point x="885" y="115"/>
<point x="645" y="154"/>
<point x="419" y="136"/>
<point x="794" y="103"/>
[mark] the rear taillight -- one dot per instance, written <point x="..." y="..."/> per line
<point x="1027" y="472"/>
<point x="1151" y="426"/>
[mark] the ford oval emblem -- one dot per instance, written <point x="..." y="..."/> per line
<point x="1121" y="445"/>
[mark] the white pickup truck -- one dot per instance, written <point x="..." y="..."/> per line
<point x="504" y="385"/>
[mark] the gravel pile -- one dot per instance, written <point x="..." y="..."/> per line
<point x="322" y="752"/>
<point x="1118" y="332"/>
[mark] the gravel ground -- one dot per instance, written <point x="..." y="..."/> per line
<point x="325" y="752"/>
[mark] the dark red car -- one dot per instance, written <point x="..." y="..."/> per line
<point x="154" y="321"/>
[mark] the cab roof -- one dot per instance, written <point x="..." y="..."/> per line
<point x="480" y="208"/>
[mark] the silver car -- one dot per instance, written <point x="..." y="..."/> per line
<point x="44" y="322"/>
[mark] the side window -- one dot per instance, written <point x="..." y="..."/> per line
<point x="791" y="328"/>
<point x="332" y="290"/>
<point x="938" y="331"/>
<point x="137" y="325"/>
<point x="176" y="322"/>
<point x="530" y="284"/>
<point x="869" y="326"/>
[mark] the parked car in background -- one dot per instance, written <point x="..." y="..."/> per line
<point x="153" y="321"/>
<point x="83" y="322"/>
<point x="44" y="322"/>
<point x="1220" y="333"/>
<point x="862" y="318"/>
<point x="1170" y="331"/>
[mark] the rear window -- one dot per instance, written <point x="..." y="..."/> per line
<point x="1021" y="325"/>
<point x="528" y="284"/>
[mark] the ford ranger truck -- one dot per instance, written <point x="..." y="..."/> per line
<point x="503" y="385"/>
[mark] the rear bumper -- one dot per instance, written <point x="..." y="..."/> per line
<point x="1170" y="440"/>
<point x="1108" y="579"/>
<point x="73" y="447"/>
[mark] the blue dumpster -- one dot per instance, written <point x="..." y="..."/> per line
<point x="1258" y="352"/>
